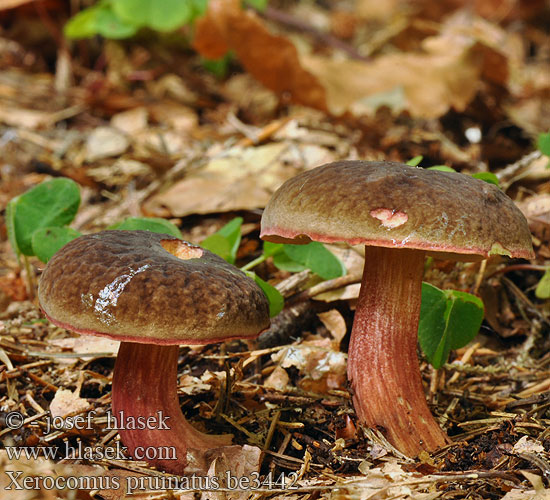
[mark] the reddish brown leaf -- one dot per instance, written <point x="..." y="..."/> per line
<point x="271" y="59"/>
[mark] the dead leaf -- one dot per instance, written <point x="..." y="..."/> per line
<point x="177" y="116"/>
<point x="25" y="118"/>
<point x="265" y="56"/>
<point x="526" y="445"/>
<point x="105" y="142"/>
<point x="376" y="10"/>
<point x="86" y="344"/>
<point x="66" y="402"/>
<point x="131" y="120"/>
<point x="234" y="465"/>
<point x="11" y="4"/>
<point x="445" y="75"/>
<point x="322" y="367"/>
<point x="193" y="385"/>
<point x="346" y="293"/>
<point x="278" y="379"/>
<point x="335" y="324"/>
<point x="241" y="179"/>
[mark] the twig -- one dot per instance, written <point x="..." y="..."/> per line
<point x="508" y="175"/>
<point x="325" y="286"/>
<point x="302" y="26"/>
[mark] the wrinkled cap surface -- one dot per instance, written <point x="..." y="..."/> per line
<point x="390" y="204"/>
<point x="151" y="288"/>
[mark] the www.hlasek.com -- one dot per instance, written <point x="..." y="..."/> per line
<point x="132" y="484"/>
<point x="82" y="452"/>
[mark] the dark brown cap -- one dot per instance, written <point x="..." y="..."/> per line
<point x="152" y="288"/>
<point x="390" y="204"/>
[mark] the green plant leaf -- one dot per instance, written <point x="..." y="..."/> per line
<point x="543" y="288"/>
<point x="487" y="177"/>
<point x="449" y="319"/>
<point x="442" y="168"/>
<point x="316" y="257"/>
<point x="52" y="203"/>
<point x="543" y="143"/>
<point x="282" y="261"/>
<point x="98" y="20"/>
<point x="276" y="300"/>
<point x="48" y="240"/>
<point x="219" y="245"/>
<point x="218" y="67"/>
<point x="152" y="224"/>
<point x="257" y="4"/>
<point x="270" y="249"/>
<point x="414" y="162"/>
<point x="225" y="242"/>
<point x="165" y="15"/>
<point x="10" y="226"/>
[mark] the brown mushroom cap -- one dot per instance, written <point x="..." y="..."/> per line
<point x="390" y="204"/>
<point x="151" y="288"/>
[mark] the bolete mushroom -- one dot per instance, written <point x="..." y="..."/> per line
<point x="400" y="213"/>
<point x="152" y="292"/>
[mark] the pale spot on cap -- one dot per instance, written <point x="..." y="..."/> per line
<point x="389" y="218"/>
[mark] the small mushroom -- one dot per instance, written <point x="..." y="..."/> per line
<point x="400" y="213"/>
<point x="152" y="292"/>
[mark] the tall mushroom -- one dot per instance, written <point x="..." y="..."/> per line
<point x="152" y="292"/>
<point x="400" y="213"/>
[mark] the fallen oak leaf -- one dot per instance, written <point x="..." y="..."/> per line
<point x="271" y="59"/>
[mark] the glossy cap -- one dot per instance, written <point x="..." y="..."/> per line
<point x="390" y="204"/>
<point x="152" y="288"/>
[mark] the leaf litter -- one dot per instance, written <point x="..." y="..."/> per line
<point x="146" y="131"/>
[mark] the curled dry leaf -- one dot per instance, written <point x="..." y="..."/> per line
<point x="264" y="55"/>
<point x="335" y="324"/>
<point x="242" y="179"/>
<point x="237" y="462"/>
<point x="526" y="445"/>
<point x="105" y="142"/>
<point x="446" y="74"/>
<point x="278" y="379"/>
<point x="66" y="402"/>
<point x="323" y="367"/>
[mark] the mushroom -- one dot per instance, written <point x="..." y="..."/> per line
<point x="401" y="214"/>
<point x="152" y="292"/>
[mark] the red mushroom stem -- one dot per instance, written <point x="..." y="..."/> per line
<point x="145" y="387"/>
<point x="383" y="362"/>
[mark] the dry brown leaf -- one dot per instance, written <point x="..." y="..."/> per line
<point x="25" y="118"/>
<point x="154" y="141"/>
<point x="66" y="402"/>
<point x="376" y="10"/>
<point x="177" y="116"/>
<point x="445" y="75"/>
<point x="11" y="4"/>
<point x="335" y="323"/>
<point x="243" y="179"/>
<point x="105" y="142"/>
<point x="192" y="385"/>
<point x="322" y="366"/>
<point x="131" y="120"/>
<point x="526" y="445"/>
<point x="278" y="379"/>
<point x="430" y="84"/>
<point x="85" y="344"/>
<point x="345" y="293"/>
<point x="271" y="59"/>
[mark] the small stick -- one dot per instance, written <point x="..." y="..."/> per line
<point x="325" y="286"/>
